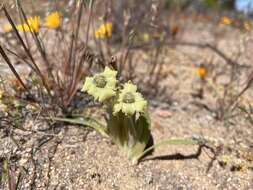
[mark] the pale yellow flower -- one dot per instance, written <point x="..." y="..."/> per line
<point x="7" y="28"/>
<point x="104" y="31"/>
<point x="129" y="100"/>
<point x="102" y="85"/>
<point x="53" y="20"/>
<point x="32" y="25"/>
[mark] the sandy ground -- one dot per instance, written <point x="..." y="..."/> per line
<point x="71" y="157"/>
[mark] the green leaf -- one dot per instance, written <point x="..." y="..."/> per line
<point x="167" y="142"/>
<point x="143" y="136"/>
<point x="131" y="135"/>
<point x="85" y="121"/>
<point x="4" y="168"/>
<point x="118" y="130"/>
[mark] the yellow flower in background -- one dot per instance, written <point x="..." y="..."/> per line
<point x="104" y="31"/>
<point x="247" y="26"/>
<point x="201" y="72"/>
<point x="225" y="21"/>
<point x="53" y="20"/>
<point x="32" y="25"/>
<point x="146" y="37"/>
<point x="7" y="28"/>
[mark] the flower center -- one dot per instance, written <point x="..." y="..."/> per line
<point x="128" y="98"/>
<point x="100" y="81"/>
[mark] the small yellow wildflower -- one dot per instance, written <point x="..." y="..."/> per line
<point x="53" y="20"/>
<point x="201" y="72"/>
<point x="225" y="21"/>
<point x="102" y="85"/>
<point x="247" y="26"/>
<point x="7" y="28"/>
<point x="130" y="101"/>
<point x="104" y="31"/>
<point x="146" y="37"/>
<point x="32" y="25"/>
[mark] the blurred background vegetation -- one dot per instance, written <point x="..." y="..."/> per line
<point x="202" y="5"/>
<point x="212" y="6"/>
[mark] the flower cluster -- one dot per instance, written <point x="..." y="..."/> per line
<point x="103" y="87"/>
<point x="33" y="24"/>
<point x="104" y="31"/>
<point x="244" y="25"/>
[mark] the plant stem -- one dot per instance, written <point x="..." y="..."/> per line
<point x="89" y="122"/>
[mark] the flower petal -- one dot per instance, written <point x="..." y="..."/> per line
<point x="128" y="109"/>
<point x="88" y="82"/>
<point x="140" y="102"/>
<point x="109" y="72"/>
<point x="111" y="82"/>
<point x="129" y="87"/>
<point x="140" y="106"/>
<point x="117" y="108"/>
<point x="105" y="94"/>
